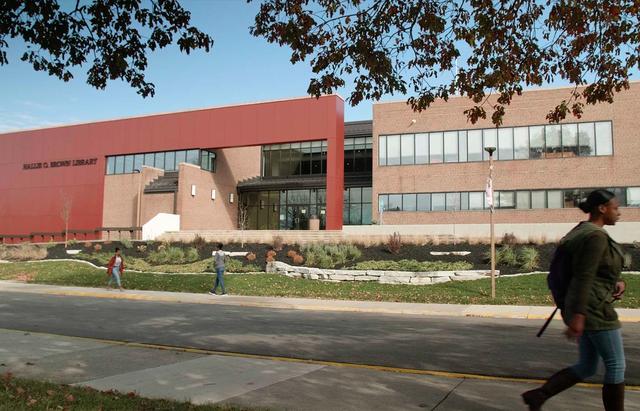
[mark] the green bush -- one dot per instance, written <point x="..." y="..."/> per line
<point x="528" y="258"/>
<point x="126" y="243"/>
<point x="191" y="255"/>
<point x="22" y="252"/>
<point x="166" y="255"/>
<point x="329" y="255"/>
<point x="506" y="255"/>
<point x="413" y="265"/>
<point x="71" y="243"/>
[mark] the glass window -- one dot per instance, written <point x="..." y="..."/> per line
<point x="128" y="164"/>
<point x="355" y="195"/>
<point x="366" y="194"/>
<point x="138" y="161"/>
<point x="181" y="157"/>
<point x="462" y="145"/>
<point x="620" y="193"/>
<point x="395" y="202"/>
<point x="521" y="143"/>
<point x="393" y="150"/>
<point x="422" y="148"/>
<point x="119" y="165"/>
<point x="553" y="147"/>
<point x="345" y="196"/>
<point x="569" y="140"/>
<point x="474" y="143"/>
<point x="409" y="202"/>
<point x="193" y="157"/>
<point x="170" y="160"/>
<point x="382" y="151"/>
<point x="453" y="201"/>
<point x="355" y="214"/>
<point x="505" y="144"/>
<point x="149" y="159"/>
<point x="506" y="199"/>
<point x="476" y="200"/>
<point x="159" y="160"/>
<point x="538" y="199"/>
<point x="633" y="197"/>
<point x="383" y="202"/>
<point x="111" y="165"/>
<point x="451" y="147"/>
<point x="438" y="201"/>
<point x="490" y="139"/>
<point x="349" y="159"/>
<point x="321" y="196"/>
<point x="554" y="199"/>
<point x="406" y="148"/>
<point x="366" y="213"/>
<point x="571" y="198"/>
<point x="464" y="201"/>
<point x="436" y="148"/>
<point x="587" y="139"/>
<point x="424" y="202"/>
<point x="604" y="144"/>
<point x="298" y="197"/>
<point x="523" y="200"/>
<point x="536" y="141"/>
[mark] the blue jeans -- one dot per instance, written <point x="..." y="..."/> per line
<point x="606" y="344"/>
<point x="219" y="280"/>
<point x="115" y="275"/>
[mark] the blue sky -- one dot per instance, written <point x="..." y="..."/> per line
<point x="239" y="69"/>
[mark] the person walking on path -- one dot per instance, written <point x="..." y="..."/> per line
<point x="115" y="269"/>
<point x="218" y="257"/>
<point x="596" y="263"/>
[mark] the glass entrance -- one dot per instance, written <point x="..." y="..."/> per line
<point x="297" y="218"/>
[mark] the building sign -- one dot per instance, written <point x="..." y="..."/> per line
<point x="62" y="163"/>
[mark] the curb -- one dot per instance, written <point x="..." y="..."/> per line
<point x="539" y="313"/>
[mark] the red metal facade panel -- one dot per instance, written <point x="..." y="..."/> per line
<point x="31" y="200"/>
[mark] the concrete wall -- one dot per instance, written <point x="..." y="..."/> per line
<point x="121" y="196"/>
<point x="621" y="169"/>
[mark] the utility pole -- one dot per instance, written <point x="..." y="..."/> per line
<point x="490" y="202"/>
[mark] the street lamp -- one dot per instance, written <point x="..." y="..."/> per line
<point x="489" y="197"/>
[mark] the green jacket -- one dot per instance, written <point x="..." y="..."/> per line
<point x="596" y="262"/>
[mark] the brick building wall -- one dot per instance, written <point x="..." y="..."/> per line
<point x="621" y="169"/>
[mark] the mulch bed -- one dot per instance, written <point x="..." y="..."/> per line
<point x="417" y="252"/>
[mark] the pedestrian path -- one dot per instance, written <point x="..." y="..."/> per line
<point x="455" y="310"/>
<point x="272" y="383"/>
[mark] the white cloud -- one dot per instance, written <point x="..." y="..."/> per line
<point x="14" y="121"/>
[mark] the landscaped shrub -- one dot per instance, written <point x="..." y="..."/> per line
<point x="232" y="265"/>
<point x="271" y="254"/>
<point x="142" y="248"/>
<point x="278" y="243"/>
<point x="528" y="258"/>
<point x="330" y="255"/>
<point x="298" y="259"/>
<point x="506" y="255"/>
<point x="97" y="247"/>
<point x="173" y="255"/>
<point x="126" y="243"/>
<point x="270" y="259"/>
<point x="87" y="244"/>
<point x="291" y="253"/>
<point x="413" y="265"/>
<point x="22" y="252"/>
<point x="251" y="257"/>
<point x="394" y="243"/>
<point x="198" y="242"/>
<point x="71" y="243"/>
<point x="509" y="239"/>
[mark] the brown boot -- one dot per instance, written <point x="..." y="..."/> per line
<point x="559" y="382"/>
<point x="613" y="397"/>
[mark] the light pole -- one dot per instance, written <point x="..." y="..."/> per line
<point x="489" y="194"/>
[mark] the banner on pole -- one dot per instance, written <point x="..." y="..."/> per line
<point x="488" y="193"/>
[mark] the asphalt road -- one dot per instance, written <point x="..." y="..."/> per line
<point x="496" y="347"/>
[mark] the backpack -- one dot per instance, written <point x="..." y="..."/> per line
<point x="560" y="274"/>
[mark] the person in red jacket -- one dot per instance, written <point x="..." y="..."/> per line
<point x="115" y="269"/>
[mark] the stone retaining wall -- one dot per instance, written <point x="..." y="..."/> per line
<point x="383" y="277"/>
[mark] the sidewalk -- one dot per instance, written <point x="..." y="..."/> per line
<point x="452" y="310"/>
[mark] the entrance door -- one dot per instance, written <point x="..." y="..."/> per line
<point x="297" y="218"/>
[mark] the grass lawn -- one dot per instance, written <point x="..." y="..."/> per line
<point x="22" y="394"/>
<point x="522" y="290"/>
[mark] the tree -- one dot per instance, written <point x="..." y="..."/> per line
<point x="243" y="219"/>
<point x="65" y="214"/>
<point x="113" y="35"/>
<point x="414" y="46"/>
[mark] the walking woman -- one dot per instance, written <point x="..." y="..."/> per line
<point x="596" y="264"/>
<point x="115" y="269"/>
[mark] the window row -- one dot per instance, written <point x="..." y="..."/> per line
<point x="517" y="199"/>
<point x="294" y="159"/>
<point x="165" y="160"/>
<point x="511" y="143"/>
<point x="357" y="206"/>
